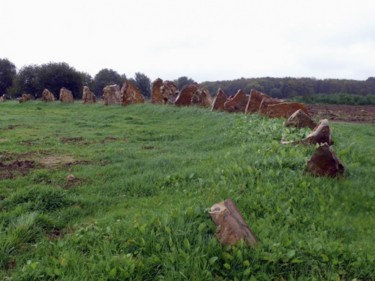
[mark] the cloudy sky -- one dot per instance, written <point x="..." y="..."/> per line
<point x="206" y="40"/>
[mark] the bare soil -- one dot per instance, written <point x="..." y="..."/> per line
<point x="346" y="113"/>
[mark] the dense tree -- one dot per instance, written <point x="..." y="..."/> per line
<point x="7" y="74"/>
<point x="182" y="81"/>
<point x="54" y="76"/>
<point x="27" y="81"/>
<point x="106" y="77"/>
<point x="143" y="83"/>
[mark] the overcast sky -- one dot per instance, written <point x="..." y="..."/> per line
<point x="206" y="40"/>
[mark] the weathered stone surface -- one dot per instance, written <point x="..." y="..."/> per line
<point x="324" y="162"/>
<point x="47" y="96"/>
<point x="130" y="94"/>
<point x="231" y="225"/>
<point x="255" y="99"/>
<point x="202" y="97"/>
<point x="320" y="135"/>
<point x="111" y="94"/>
<point x="237" y="103"/>
<point x="66" y="95"/>
<point x="3" y="98"/>
<point x="300" y="119"/>
<point x="156" y="96"/>
<point x="88" y="96"/>
<point x="186" y="94"/>
<point x="25" y="97"/>
<point x="275" y="108"/>
<point x="219" y="100"/>
<point x="169" y="92"/>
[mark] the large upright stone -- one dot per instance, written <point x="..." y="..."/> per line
<point x="169" y="92"/>
<point x="201" y="98"/>
<point x="254" y="101"/>
<point x="156" y="96"/>
<point x="3" y="98"/>
<point x="47" y="96"/>
<point x="231" y="227"/>
<point x="88" y="96"/>
<point x="111" y="94"/>
<point x="274" y="108"/>
<point x="186" y="94"/>
<point x="324" y="162"/>
<point x="25" y="97"/>
<point x="66" y="95"/>
<point x="237" y="103"/>
<point x="130" y="94"/>
<point x="219" y="100"/>
<point x="300" y="119"/>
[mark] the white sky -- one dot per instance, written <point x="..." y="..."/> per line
<point x="206" y="40"/>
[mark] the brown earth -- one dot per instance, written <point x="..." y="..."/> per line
<point x="345" y="113"/>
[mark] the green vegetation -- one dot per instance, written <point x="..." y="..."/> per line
<point x="145" y="176"/>
<point x="338" y="99"/>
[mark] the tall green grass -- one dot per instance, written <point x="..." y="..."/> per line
<point x="145" y="177"/>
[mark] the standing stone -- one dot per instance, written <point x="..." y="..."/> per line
<point x="66" y="95"/>
<point x="300" y="119"/>
<point x="131" y="94"/>
<point x="111" y="94"/>
<point x="169" y="92"/>
<point x="219" y="100"/>
<point x="274" y="108"/>
<point x="255" y="99"/>
<point x="237" y="103"/>
<point x="231" y="227"/>
<point x="47" y="96"/>
<point x="3" y="98"/>
<point x="202" y="97"/>
<point x="25" y="97"/>
<point x="156" y="96"/>
<point x="186" y="94"/>
<point x="88" y="96"/>
<point x="324" y="162"/>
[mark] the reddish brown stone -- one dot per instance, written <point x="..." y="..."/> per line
<point x="231" y="225"/>
<point x="25" y="97"/>
<point x="111" y="94"/>
<point x="66" y="95"/>
<point x="255" y="99"/>
<point x="88" y="96"/>
<point x="324" y="162"/>
<point x="237" y="103"/>
<point x="275" y="108"/>
<point x="131" y="94"/>
<point x="47" y="96"/>
<point x="156" y="96"/>
<point x="320" y="134"/>
<point x="300" y="119"/>
<point x="219" y="100"/>
<point x="186" y="94"/>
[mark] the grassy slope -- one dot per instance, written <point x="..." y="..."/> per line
<point x="146" y="178"/>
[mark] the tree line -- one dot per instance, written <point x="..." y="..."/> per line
<point x="33" y="79"/>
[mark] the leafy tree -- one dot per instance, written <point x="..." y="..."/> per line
<point x="182" y="81"/>
<point x="27" y="80"/>
<point x="54" y="76"/>
<point x="143" y="83"/>
<point x="106" y="77"/>
<point x="7" y="74"/>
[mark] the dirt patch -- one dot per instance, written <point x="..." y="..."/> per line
<point x="347" y="113"/>
<point x="15" y="168"/>
<point x="75" y="140"/>
<point x="148" y="147"/>
<point x="111" y="139"/>
<point x="55" y="161"/>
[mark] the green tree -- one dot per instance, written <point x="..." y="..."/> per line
<point x="182" y="81"/>
<point x="7" y="74"/>
<point x="27" y="80"/>
<point x="106" y="77"/>
<point x="54" y="76"/>
<point x="143" y="83"/>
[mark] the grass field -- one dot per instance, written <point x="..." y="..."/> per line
<point x="144" y="178"/>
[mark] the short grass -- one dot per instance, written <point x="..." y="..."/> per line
<point x="145" y="176"/>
